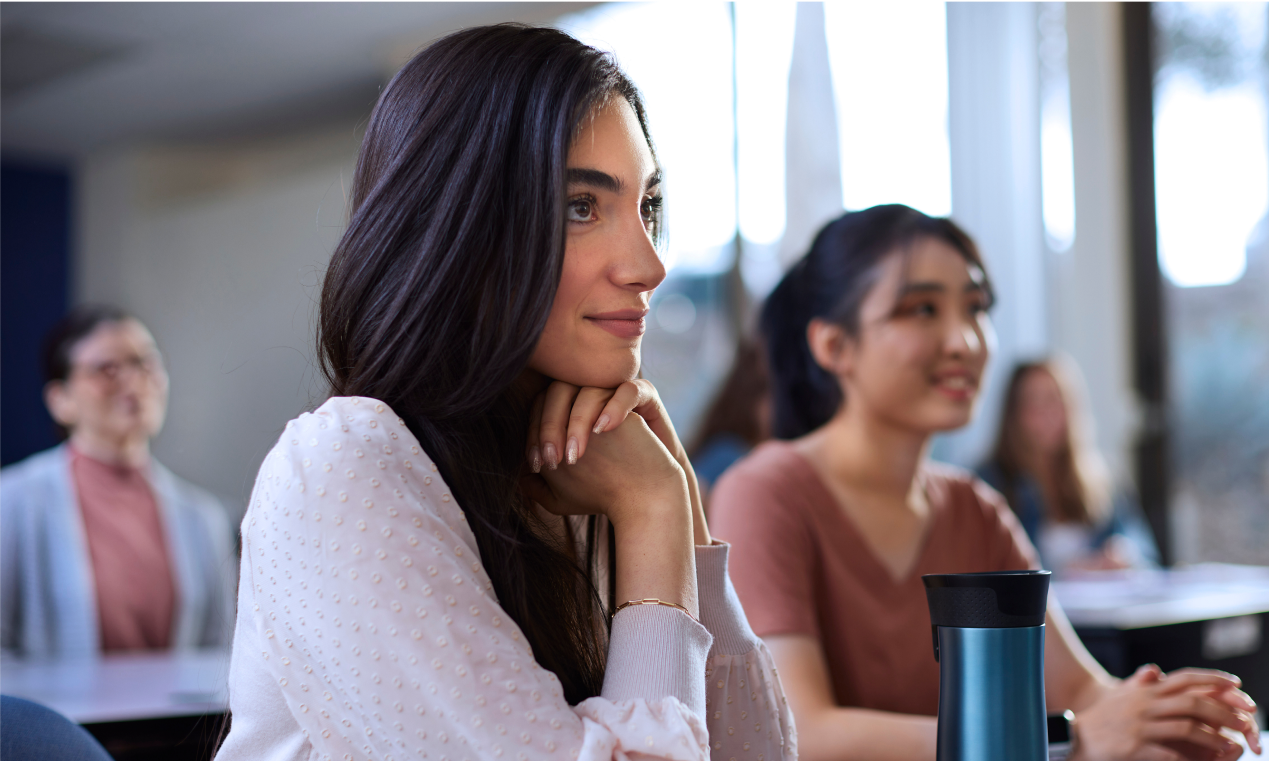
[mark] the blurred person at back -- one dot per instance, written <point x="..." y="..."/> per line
<point x="738" y="419"/>
<point x="103" y="548"/>
<point x="1051" y="474"/>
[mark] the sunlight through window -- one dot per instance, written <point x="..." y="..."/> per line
<point x="1057" y="157"/>
<point x="764" y="50"/>
<point x="679" y="56"/>
<point x="891" y="93"/>
<point x="1211" y="150"/>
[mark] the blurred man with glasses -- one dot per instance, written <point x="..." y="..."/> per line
<point x="102" y="549"/>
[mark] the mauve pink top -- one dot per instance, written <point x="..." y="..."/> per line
<point x="136" y="595"/>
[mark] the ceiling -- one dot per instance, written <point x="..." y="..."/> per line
<point x="80" y="77"/>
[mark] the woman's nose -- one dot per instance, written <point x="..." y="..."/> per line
<point x="638" y="265"/>
<point x="963" y="338"/>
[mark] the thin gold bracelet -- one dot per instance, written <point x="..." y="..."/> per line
<point x="653" y="601"/>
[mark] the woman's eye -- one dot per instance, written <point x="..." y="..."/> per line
<point x="924" y="309"/>
<point x="649" y="209"/>
<point x="580" y="210"/>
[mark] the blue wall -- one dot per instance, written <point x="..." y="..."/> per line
<point x="35" y="221"/>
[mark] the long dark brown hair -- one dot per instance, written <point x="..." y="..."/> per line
<point x="737" y="408"/>
<point x="441" y="285"/>
<point x="1080" y="488"/>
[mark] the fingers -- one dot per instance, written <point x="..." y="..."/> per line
<point x="587" y="406"/>
<point x="1183" y="680"/>
<point x="557" y="403"/>
<point x="1235" y="699"/>
<point x="1146" y="674"/>
<point x="1205" y="710"/>
<point x="1190" y="731"/>
<point x="535" y="426"/>
<point x="623" y="401"/>
<point x="1242" y="702"/>
<point x="1158" y="753"/>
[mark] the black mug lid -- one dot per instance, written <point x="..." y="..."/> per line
<point x="993" y="600"/>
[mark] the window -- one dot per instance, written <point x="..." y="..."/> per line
<point x="1212" y="191"/>
<point x="716" y="80"/>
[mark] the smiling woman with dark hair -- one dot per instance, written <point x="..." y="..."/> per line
<point x="877" y="340"/>
<point x="489" y="543"/>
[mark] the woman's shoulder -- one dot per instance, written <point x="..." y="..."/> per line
<point x="364" y="432"/>
<point x="959" y="489"/>
<point x="974" y="515"/>
<point x="771" y="483"/>
<point x="357" y="449"/>
<point x="773" y="464"/>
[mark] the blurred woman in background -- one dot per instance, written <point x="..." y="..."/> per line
<point x="1054" y="479"/>
<point x="877" y="340"/>
<point x="103" y="548"/>
<point x="738" y="419"/>
<point x="489" y="543"/>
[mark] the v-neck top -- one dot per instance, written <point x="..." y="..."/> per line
<point x="801" y="566"/>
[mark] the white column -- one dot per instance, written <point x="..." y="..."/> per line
<point x="813" y="188"/>
<point x="994" y="130"/>
<point x="1091" y="286"/>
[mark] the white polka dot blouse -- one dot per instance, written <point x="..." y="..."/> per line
<point x="368" y="629"/>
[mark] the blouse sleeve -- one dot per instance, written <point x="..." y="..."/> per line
<point x="747" y="713"/>
<point x="381" y="628"/>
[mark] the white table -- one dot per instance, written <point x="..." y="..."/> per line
<point x="1138" y="599"/>
<point x="124" y="687"/>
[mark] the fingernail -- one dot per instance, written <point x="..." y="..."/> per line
<point x="535" y="459"/>
<point x="601" y="424"/>
<point x="552" y="461"/>
<point x="570" y="450"/>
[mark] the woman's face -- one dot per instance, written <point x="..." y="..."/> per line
<point x="923" y="341"/>
<point x="593" y="333"/>
<point x="1042" y="412"/>
<point x="117" y="387"/>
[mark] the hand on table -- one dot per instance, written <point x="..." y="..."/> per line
<point x="1179" y="716"/>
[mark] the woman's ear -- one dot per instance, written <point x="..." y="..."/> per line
<point x="60" y="404"/>
<point x="831" y="347"/>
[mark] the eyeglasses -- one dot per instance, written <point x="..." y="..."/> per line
<point x="111" y="371"/>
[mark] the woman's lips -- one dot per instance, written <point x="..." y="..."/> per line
<point x="624" y="323"/>
<point x="957" y="386"/>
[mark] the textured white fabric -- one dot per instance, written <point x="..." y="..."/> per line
<point x="368" y="629"/>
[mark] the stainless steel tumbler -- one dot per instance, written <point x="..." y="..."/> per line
<point x="988" y="633"/>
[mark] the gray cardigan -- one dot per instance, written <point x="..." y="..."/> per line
<point x="48" y="601"/>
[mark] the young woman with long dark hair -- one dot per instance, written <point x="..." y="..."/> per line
<point x="489" y="542"/>
<point x="1048" y="469"/>
<point x="877" y="339"/>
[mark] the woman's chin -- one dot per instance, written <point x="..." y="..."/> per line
<point x="606" y="375"/>
<point x="950" y="420"/>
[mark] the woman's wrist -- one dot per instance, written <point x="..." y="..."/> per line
<point x="655" y="556"/>
<point x="666" y="500"/>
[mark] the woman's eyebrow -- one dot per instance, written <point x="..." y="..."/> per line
<point x="922" y="287"/>
<point x="653" y="180"/>
<point x="594" y="178"/>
